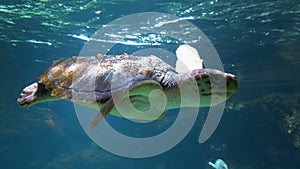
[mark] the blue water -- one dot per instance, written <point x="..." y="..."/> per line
<point x="256" y="40"/>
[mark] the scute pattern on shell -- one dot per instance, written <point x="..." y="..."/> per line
<point x="88" y="79"/>
<point x="58" y="78"/>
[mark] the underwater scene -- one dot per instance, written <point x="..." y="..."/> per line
<point x="256" y="41"/>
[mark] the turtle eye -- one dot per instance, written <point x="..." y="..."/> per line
<point x="158" y="75"/>
<point x="218" y="79"/>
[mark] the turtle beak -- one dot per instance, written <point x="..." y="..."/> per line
<point x="232" y="84"/>
<point x="28" y="95"/>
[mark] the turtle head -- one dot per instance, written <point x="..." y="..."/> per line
<point x="33" y="94"/>
<point x="214" y="85"/>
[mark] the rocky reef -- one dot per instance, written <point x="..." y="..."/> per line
<point x="283" y="108"/>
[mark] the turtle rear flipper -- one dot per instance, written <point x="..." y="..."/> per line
<point x="34" y="93"/>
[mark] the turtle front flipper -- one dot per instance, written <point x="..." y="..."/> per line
<point x="104" y="111"/>
<point x="143" y="94"/>
<point x="145" y="100"/>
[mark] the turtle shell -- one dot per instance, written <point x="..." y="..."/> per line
<point x="91" y="79"/>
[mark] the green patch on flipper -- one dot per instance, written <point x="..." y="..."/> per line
<point x="136" y="104"/>
<point x="144" y="88"/>
<point x="147" y="101"/>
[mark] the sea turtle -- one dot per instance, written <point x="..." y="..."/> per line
<point x="92" y="80"/>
